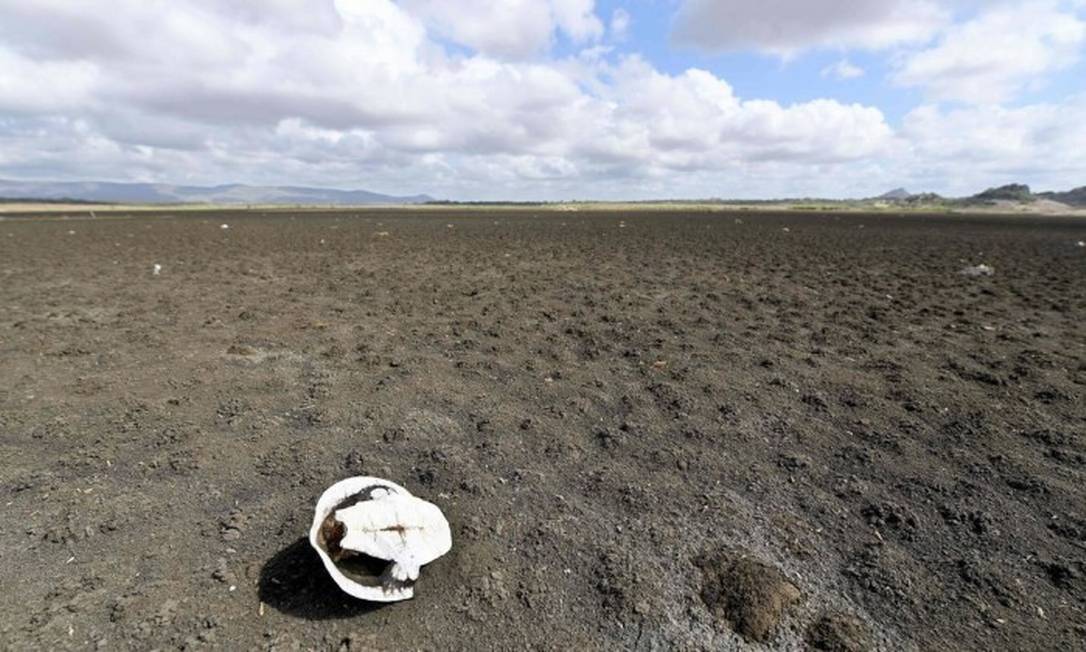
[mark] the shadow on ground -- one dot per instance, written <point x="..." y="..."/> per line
<point x="295" y="582"/>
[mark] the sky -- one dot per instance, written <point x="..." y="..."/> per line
<point x="549" y="99"/>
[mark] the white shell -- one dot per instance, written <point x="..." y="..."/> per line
<point x="392" y="525"/>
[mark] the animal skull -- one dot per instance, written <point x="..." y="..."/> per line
<point x="373" y="537"/>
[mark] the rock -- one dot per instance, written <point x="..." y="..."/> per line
<point x="839" y="633"/>
<point x="748" y="595"/>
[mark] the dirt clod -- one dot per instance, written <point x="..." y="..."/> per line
<point x="749" y="595"/>
<point x="836" y="632"/>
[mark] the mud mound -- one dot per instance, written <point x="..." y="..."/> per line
<point x="748" y="595"/>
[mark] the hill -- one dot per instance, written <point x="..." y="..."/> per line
<point x="895" y="194"/>
<point x="1010" y="192"/>
<point x="232" y="194"/>
<point x="1076" y="197"/>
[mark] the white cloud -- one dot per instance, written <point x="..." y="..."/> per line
<point x="843" y="70"/>
<point x="33" y="86"/>
<point x="962" y="150"/>
<point x="620" y="23"/>
<point x="785" y="27"/>
<point x="509" y="28"/>
<point x="577" y="18"/>
<point x="996" y="55"/>
<point x="365" y="95"/>
<point x="383" y="95"/>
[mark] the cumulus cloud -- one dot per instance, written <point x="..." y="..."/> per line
<point x="405" y="97"/>
<point x="997" y="54"/>
<point x="365" y="93"/>
<point x="970" y="147"/>
<point x="785" y="27"/>
<point x="509" y="28"/>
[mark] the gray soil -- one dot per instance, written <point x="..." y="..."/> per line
<point x="645" y="429"/>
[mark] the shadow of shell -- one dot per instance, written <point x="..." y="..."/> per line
<point x="294" y="582"/>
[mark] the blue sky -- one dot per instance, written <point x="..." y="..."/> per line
<point x="549" y="99"/>
<point x="800" y="78"/>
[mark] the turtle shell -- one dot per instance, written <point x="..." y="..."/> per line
<point x="373" y="535"/>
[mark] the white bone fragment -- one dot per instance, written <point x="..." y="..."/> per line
<point x="374" y="536"/>
<point x="978" y="270"/>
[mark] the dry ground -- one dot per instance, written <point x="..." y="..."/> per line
<point x="623" y="415"/>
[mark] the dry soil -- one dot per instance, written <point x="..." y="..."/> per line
<point x="599" y="403"/>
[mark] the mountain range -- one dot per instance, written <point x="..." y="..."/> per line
<point x="160" y="193"/>
<point x="239" y="194"/>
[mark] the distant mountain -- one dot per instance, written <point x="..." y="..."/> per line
<point x="1014" y="193"/>
<point x="1076" y="197"/>
<point x="1009" y="192"/>
<point x="895" y="194"/>
<point x="159" y="193"/>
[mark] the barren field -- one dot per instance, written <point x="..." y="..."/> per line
<point x="648" y="431"/>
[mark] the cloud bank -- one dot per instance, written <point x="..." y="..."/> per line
<point x="472" y="103"/>
<point x="789" y="26"/>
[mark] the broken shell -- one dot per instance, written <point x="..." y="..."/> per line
<point x="373" y="537"/>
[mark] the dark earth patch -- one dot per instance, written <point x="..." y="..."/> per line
<point x="591" y="406"/>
